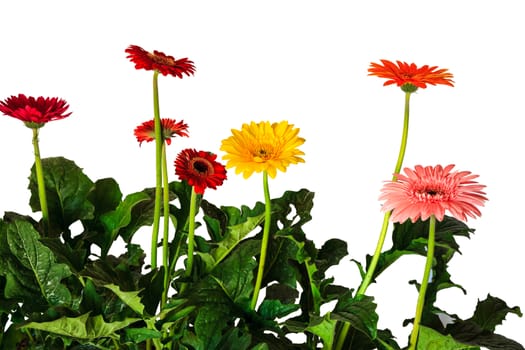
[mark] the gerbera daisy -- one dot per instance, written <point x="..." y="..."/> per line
<point x="261" y="147"/>
<point x="160" y="62"/>
<point x="426" y="191"/>
<point x="199" y="169"/>
<point x="34" y="112"/>
<point x="408" y="76"/>
<point x="170" y="128"/>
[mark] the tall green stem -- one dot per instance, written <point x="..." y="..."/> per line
<point x="165" y="238"/>
<point x="424" y="282"/>
<point x="191" y="235"/>
<point x="158" y="170"/>
<point x="40" y="178"/>
<point x="384" y="228"/>
<point x="382" y="235"/>
<point x="264" y="242"/>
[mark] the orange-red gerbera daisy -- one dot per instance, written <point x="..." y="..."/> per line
<point x="426" y="191"/>
<point x="199" y="169"/>
<point x="34" y="112"/>
<point x="160" y="62"/>
<point x="408" y="76"/>
<point x="170" y="128"/>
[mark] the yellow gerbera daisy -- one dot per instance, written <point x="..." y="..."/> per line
<point x="261" y="147"/>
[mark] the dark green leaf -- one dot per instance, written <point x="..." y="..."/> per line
<point x="491" y="312"/>
<point x="105" y="196"/>
<point x="329" y="255"/>
<point x="122" y="216"/>
<point x="479" y="329"/>
<point x="32" y="269"/>
<point x="359" y="312"/>
<point x="273" y="309"/>
<point x="67" y="190"/>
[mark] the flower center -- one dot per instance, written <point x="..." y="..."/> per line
<point x="162" y="60"/>
<point x="430" y="194"/>
<point x="201" y="166"/>
<point x="263" y="153"/>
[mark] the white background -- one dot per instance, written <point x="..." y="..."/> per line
<point x="305" y="62"/>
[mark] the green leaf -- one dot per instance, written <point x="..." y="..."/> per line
<point x="479" y="329"/>
<point x="82" y="327"/>
<point x="67" y="190"/>
<point x="138" y="335"/>
<point x="235" y="340"/>
<point x="281" y="292"/>
<point x="410" y="238"/>
<point x="324" y="328"/>
<point x="272" y="309"/>
<point x="234" y="235"/>
<point x="359" y="312"/>
<point x="491" y="312"/>
<point x="235" y="273"/>
<point x="32" y="270"/>
<point x="131" y="299"/>
<point x="105" y="195"/>
<point x="329" y="255"/>
<point x="129" y="209"/>
<point x="430" y="339"/>
<point x="219" y="219"/>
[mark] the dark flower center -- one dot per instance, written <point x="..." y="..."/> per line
<point x="263" y="153"/>
<point x="201" y="166"/>
<point x="162" y="60"/>
<point x="431" y="194"/>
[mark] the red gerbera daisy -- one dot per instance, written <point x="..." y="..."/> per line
<point x="160" y="62"/>
<point x="170" y="128"/>
<point x="34" y="112"/>
<point x="200" y="169"/>
<point x="426" y="191"/>
<point x="408" y="76"/>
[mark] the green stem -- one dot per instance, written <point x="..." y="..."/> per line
<point x="191" y="235"/>
<point x="40" y="178"/>
<point x="382" y="235"/>
<point x="165" y="238"/>
<point x="264" y="242"/>
<point x="158" y="171"/>
<point x="424" y="282"/>
<point x="384" y="228"/>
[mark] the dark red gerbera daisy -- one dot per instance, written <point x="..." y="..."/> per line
<point x="160" y="62"/>
<point x="34" y="112"/>
<point x="409" y="76"/>
<point x="199" y="169"/>
<point x="170" y="128"/>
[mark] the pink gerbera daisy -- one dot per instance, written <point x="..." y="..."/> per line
<point x="425" y="191"/>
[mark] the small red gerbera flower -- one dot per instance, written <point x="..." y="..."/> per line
<point x="199" y="169"/>
<point x="426" y="191"/>
<point x="408" y="76"/>
<point x="34" y="112"/>
<point x="170" y="128"/>
<point x="160" y="62"/>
